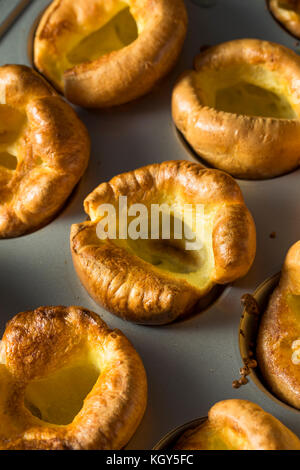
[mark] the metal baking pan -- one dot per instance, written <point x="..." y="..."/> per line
<point x="169" y="441"/>
<point x="249" y="328"/>
<point x="190" y="364"/>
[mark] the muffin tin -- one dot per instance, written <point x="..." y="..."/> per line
<point x="190" y="364"/>
<point x="169" y="441"/>
<point x="249" y="327"/>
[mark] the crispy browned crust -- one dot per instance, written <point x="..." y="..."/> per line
<point x="36" y="343"/>
<point x="256" y="428"/>
<point x="53" y="152"/>
<point x="244" y="146"/>
<point x="136" y="290"/>
<point x="123" y="75"/>
<point x="289" y="17"/>
<point x="278" y="329"/>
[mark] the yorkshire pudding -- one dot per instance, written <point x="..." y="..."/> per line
<point x="278" y="343"/>
<point x="287" y="12"/>
<point x="239" y="108"/>
<point x="44" y="151"/>
<point x="239" y="425"/>
<point x="102" y="53"/>
<point x="156" y="277"/>
<point x="68" y="382"/>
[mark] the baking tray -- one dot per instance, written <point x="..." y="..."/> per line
<point x="190" y="364"/>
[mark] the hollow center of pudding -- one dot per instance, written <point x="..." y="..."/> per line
<point x="169" y="255"/>
<point x="11" y="125"/>
<point x="245" y="98"/>
<point x="294" y="304"/>
<point x="175" y="245"/>
<point x="59" y="397"/>
<point x="7" y="160"/>
<point x="119" y="32"/>
<point x="246" y="90"/>
<point x="209" y="437"/>
<point x="290" y="5"/>
<point x="110" y="30"/>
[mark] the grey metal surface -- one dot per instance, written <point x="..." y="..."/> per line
<point x="190" y="365"/>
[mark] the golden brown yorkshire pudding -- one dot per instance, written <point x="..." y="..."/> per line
<point x="156" y="277"/>
<point x="278" y="343"/>
<point x="68" y="382"/>
<point x="239" y="425"/>
<point x="107" y="52"/>
<point x="287" y="12"/>
<point x="44" y="151"/>
<point x="239" y="108"/>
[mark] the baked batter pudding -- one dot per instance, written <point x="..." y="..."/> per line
<point x="155" y="280"/>
<point x="68" y="382"/>
<point x="107" y="52"/>
<point x="278" y="344"/>
<point x="287" y="12"/>
<point x="239" y="108"/>
<point x="44" y="151"/>
<point x="239" y="425"/>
